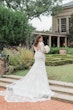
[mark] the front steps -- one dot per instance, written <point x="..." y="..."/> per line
<point x="63" y="90"/>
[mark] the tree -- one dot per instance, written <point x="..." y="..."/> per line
<point x="34" y="8"/>
<point x="14" y="27"/>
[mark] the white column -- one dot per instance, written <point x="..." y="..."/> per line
<point x="60" y="25"/>
<point x="49" y="41"/>
<point x="65" y="41"/>
<point x="67" y="25"/>
<point x="58" y="41"/>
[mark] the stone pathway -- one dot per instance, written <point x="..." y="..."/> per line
<point x="45" y="105"/>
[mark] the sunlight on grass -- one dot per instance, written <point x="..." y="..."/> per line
<point x="21" y="72"/>
<point x="61" y="73"/>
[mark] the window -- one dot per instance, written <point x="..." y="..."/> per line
<point x="58" y="25"/>
<point x="63" y="25"/>
<point x="69" y="24"/>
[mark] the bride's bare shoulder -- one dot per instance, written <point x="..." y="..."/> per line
<point x="41" y="43"/>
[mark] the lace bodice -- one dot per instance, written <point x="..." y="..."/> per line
<point x="39" y="54"/>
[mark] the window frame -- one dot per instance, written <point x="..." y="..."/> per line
<point x="63" y="24"/>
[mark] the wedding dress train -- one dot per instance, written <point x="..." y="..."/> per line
<point x="32" y="87"/>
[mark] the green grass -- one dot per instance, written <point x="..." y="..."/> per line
<point x="21" y="72"/>
<point x="61" y="73"/>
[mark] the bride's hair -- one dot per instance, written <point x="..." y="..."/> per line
<point x="37" y="40"/>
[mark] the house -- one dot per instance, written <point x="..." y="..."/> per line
<point x="60" y="27"/>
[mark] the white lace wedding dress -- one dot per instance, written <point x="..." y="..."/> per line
<point x="32" y="87"/>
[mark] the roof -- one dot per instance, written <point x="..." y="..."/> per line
<point x="68" y="5"/>
<point x="48" y="33"/>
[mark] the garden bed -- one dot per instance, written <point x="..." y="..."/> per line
<point x="21" y="58"/>
<point x="56" y="59"/>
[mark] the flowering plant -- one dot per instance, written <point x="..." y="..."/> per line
<point x="47" y="49"/>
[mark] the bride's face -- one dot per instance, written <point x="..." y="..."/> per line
<point x="41" y="39"/>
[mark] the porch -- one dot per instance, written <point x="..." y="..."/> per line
<point x="53" y="39"/>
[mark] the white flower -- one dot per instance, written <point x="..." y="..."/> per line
<point x="47" y="49"/>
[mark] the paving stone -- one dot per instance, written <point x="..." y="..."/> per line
<point x="44" y="105"/>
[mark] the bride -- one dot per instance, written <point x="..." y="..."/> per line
<point x="34" y="86"/>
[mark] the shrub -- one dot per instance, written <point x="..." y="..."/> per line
<point x="54" y="51"/>
<point x="57" y="59"/>
<point x="10" y="69"/>
<point x="70" y="50"/>
<point x="20" y="58"/>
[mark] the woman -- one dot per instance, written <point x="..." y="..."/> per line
<point x="34" y="86"/>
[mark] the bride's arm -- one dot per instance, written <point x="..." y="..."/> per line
<point x="42" y="49"/>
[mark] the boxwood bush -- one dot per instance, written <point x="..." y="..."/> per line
<point x="57" y="59"/>
<point x="70" y="50"/>
<point x="54" y="51"/>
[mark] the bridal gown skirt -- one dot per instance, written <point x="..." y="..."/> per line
<point x="32" y="87"/>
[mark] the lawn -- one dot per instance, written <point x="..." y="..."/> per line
<point x="61" y="73"/>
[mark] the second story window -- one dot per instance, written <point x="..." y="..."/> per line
<point x="58" y="25"/>
<point x="63" y="24"/>
<point x="69" y="23"/>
